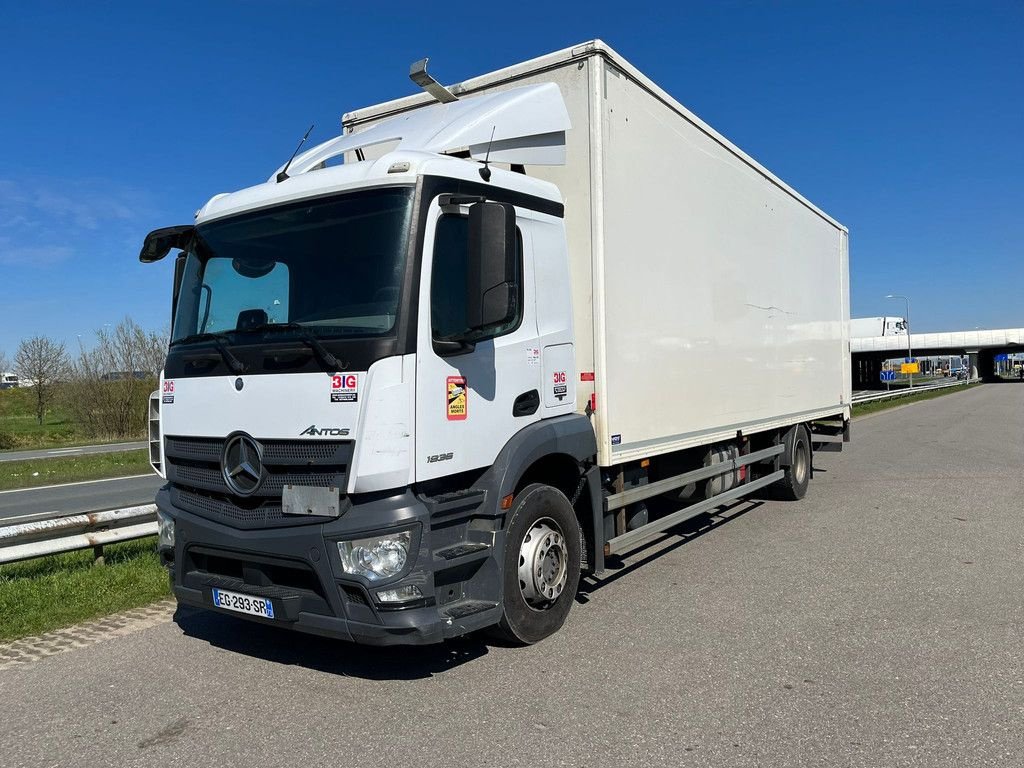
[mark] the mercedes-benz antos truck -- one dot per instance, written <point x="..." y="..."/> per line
<point x="436" y="369"/>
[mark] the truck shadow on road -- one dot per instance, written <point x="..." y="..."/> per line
<point x="335" y="657"/>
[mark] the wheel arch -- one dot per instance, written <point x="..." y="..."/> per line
<point x="559" y="452"/>
<point x="788" y="438"/>
<point x="544" y="447"/>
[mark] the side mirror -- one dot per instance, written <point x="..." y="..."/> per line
<point x="159" y="242"/>
<point x="492" y="271"/>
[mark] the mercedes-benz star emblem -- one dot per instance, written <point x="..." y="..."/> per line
<point x="242" y="464"/>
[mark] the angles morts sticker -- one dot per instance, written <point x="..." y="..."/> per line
<point x="457" y="398"/>
<point x="344" y="388"/>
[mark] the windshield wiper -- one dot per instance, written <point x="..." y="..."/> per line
<point x="325" y="354"/>
<point x="233" y="363"/>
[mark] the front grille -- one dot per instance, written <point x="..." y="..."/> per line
<point x="198" y="486"/>
<point x="262" y="515"/>
<point x="287" y="452"/>
<point x="211" y="479"/>
<point x="279" y="452"/>
<point x="195" y="448"/>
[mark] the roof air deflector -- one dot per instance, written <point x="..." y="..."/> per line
<point x="528" y="124"/>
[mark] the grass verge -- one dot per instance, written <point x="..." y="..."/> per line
<point x="881" y="405"/>
<point x="60" y="590"/>
<point x="20" y="431"/>
<point x="19" y="428"/>
<point x="32" y="473"/>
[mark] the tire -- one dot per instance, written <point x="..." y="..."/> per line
<point x="541" y="565"/>
<point x="793" y="485"/>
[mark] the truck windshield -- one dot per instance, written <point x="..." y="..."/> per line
<point x="331" y="268"/>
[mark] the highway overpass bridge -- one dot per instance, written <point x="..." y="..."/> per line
<point x="981" y="346"/>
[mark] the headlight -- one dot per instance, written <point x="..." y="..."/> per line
<point x="165" y="530"/>
<point x="378" y="557"/>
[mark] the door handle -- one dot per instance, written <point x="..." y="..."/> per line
<point x="526" y="404"/>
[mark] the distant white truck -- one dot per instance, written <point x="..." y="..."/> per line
<point x="8" y="380"/>
<point x="437" y="368"/>
<point x="871" y="327"/>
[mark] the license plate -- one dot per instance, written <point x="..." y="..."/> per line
<point x="232" y="601"/>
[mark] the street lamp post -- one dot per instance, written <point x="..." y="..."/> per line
<point x="910" y="352"/>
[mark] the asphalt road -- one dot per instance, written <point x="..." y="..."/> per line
<point x="878" y="622"/>
<point x="72" y="498"/>
<point x="80" y="450"/>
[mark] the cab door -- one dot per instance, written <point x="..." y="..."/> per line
<point x="470" y="403"/>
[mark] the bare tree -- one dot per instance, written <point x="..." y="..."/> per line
<point x="4" y="364"/>
<point x="42" y="362"/>
<point x="113" y="379"/>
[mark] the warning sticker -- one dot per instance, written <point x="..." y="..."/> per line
<point x="344" y="388"/>
<point x="457" y="398"/>
<point x="168" y="391"/>
<point x="533" y="355"/>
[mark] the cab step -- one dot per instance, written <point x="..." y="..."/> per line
<point x="464" y="608"/>
<point x="461" y="549"/>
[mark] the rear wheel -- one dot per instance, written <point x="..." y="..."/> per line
<point x="542" y="565"/>
<point x="793" y="485"/>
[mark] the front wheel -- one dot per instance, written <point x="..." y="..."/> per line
<point x="541" y="566"/>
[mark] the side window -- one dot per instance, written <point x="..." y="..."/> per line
<point x="448" y="284"/>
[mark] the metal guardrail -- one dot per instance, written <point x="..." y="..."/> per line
<point x="48" y="534"/>
<point x="858" y="399"/>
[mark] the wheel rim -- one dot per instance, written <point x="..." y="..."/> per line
<point x="543" y="564"/>
<point x="800" y="467"/>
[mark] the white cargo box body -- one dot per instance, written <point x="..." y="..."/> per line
<point x="708" y="296"/>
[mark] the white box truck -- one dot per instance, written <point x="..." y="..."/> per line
<point x="868" y="327"/>
<point x="437" y="368"/>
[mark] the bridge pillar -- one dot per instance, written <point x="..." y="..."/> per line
<point x="985" y="364"/>
<point x="865" y="372"/>
<point x="982" y="364"/>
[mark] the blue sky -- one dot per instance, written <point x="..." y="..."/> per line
<point x="902" y="120"/>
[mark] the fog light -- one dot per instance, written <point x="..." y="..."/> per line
<point x="165" y="530"/>
<point x="399" y="594"/>
<point x="379" y="557"/>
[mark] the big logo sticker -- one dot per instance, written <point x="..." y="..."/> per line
<point x="344" y="388"/>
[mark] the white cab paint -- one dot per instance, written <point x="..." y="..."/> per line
<point x="384" y="445"/>
<point x="286" y="406"/>
<point x="492" y="375"/>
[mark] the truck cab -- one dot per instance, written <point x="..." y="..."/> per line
<point x="365" y="360"/>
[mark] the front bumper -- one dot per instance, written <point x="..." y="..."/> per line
<point x="298" y="568"/>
